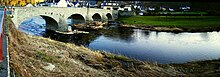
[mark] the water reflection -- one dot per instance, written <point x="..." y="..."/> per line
<point x="163" y="47"/>
<point x="78" y="39"/>
<point x="33" y="26"/>
<point x="115" y="34"/>
<point x="205" y="36"/>
<point x="119" y="34"/>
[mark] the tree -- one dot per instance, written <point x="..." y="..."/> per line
<point x="99" y="2"/>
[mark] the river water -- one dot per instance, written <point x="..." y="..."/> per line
<point x="160" y="47"/>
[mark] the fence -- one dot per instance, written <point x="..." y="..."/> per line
<point x="2" y="32"/>
<point x="4" y="56"/>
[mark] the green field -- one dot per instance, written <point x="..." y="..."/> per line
<point x="174" y="21"/>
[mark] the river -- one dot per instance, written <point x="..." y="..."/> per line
<point x="160" y="47"/>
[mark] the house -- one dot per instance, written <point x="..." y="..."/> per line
<point x="76" y="4"/>
<point x="151" y="9"/>
<point x="171" y="9"/>
<point x="62" y="3"/>
<point x="108" y="7"/>
<point x="87" y="3"/>
<point x="29" y="5"/>
<point x="112" y="5"/>
<point x="127" y="8"/>
<point x="185" y="8"/>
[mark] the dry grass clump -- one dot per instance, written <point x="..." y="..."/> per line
<point x="32" y="56"/>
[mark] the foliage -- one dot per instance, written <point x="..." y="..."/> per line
<point x="18" y="2"/>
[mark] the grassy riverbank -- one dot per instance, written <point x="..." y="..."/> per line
<point x="173" y="21"/>
<point x="207" y="68"/>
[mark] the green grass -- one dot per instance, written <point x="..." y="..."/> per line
<point x="174" y="21"/>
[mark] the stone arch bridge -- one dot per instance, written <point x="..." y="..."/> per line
<point x="56" y="17"/>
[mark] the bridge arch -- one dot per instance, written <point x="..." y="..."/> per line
<point x="76" y="19"/>
<point x="51" y="23"/>
<point x="43" y="24"/>
<point x="96" y="17"/>
<point x="109" y="16"/>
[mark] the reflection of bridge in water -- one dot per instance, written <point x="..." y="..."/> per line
<point x="114" y="33"/>
<point x="56" y="17"/>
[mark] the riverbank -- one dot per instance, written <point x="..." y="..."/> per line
<point x="207" y="68"/>
<point x="172" y="29"/>
<point x="33" y="56"/>
<point x="173" y="23"/>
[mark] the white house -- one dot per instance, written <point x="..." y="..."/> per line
<point x="29" y="5"/>
<point x="127" y="8"/>
<point x="108" y="7"/>
<point x="62" y="3"/>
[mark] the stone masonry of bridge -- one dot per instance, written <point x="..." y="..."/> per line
<point x="56" y="17"/>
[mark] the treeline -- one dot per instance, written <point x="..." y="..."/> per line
<point x="18" y="2"/>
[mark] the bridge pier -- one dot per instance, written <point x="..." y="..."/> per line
<point x="62" y="25"/>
